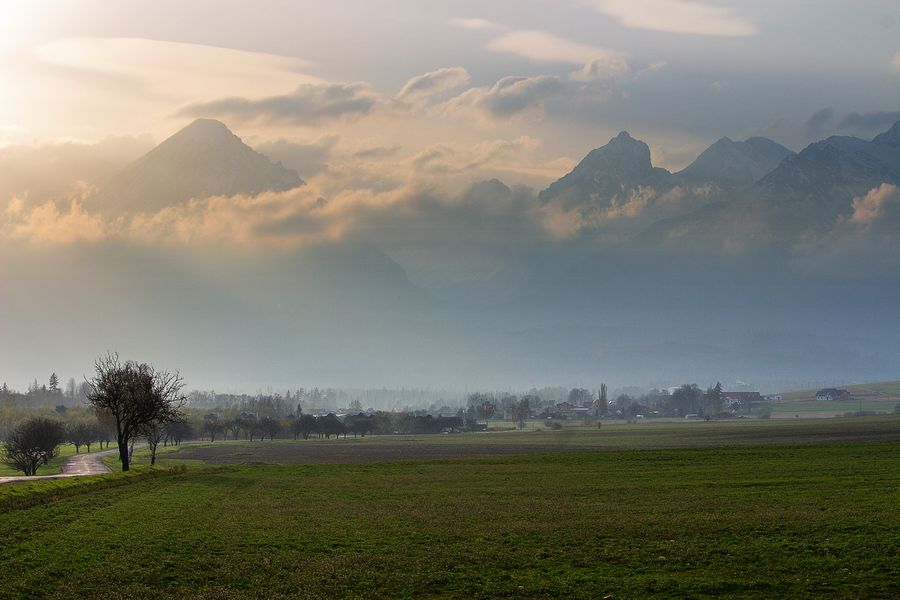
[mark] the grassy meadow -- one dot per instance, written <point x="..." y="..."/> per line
<point x="802" y="512"/>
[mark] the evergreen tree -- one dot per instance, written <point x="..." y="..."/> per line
<point x="54" y="383"/>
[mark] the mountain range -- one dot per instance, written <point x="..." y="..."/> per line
<point x="700" y="274"/>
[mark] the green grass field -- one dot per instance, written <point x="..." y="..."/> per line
<point x="811" y="408"/>
<point x="773" y="519"/>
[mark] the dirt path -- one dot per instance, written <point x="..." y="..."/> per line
<point x="75" y="466"/>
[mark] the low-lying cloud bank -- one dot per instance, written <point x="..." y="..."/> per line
<point x="865" y="243"/>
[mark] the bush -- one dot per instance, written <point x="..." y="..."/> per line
<point x="33" y="443"/>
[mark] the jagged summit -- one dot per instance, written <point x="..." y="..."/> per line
<point x="606" y="172"/>
<point x="202" y="159"/>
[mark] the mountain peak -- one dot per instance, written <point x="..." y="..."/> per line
<point x="200" y="160"/>
<point x="203" y="131"/>
<point x="204" y="127"/>
<point x="488" y="190"/>
<point x="731" y="163"/>
<point x="606" y="172"/>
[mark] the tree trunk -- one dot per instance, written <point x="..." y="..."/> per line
<point x="123" y="453"/>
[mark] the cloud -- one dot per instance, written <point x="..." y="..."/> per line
<point x="718" y="85"/>
<point x="48" y="171"/>
<point x="879" y="208"/>
<point x="309" y="104"/>
<point x="601" y="69"/>
<point x="509" y="97"/>
<point x="474" y="23"/>
<point x="869" y="123"/>
<point x="46" y="224"/>
<point x="176" y="69"/>
<point x="863" y="243"/>
<point x="377" y="152"/>
<point x="895" y="63"/>
<point x="423" y="88"/>
<point x="539" y="46"/>
<point x="818" y="123"/>
<point x="382" y="200"/>
<point x="450" y="159"/>
<point x="308" y="159"/>
<point x="676" y="16"/>
<point x="625" y="214"/>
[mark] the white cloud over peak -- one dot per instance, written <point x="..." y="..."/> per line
<point x="422" y="88"/>
<point x="509" y="97"/>
<point x="677" y="16"/>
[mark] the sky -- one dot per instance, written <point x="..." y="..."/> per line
<point x="675" y="73"/>
<point x="391" y="111"/>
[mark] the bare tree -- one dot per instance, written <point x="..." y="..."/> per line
<point x="212" y="428"/>
<point x="234" y="425"/>
<point x="106" y="426"/>
<point x="270" y="427"/>
<point x="33" y="443"/>
<point x="95" y="436"/>
<point x="81" y="434"/>
<point x="177" y="431"/>
<point x="135" y="394"/>
<point x="153" y="432"/>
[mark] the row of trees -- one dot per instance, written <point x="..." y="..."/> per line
<point x="305" y="426"/>
<point x="687" y="399"/>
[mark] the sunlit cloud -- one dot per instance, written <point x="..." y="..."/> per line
<point x="879" y="205"/>
<point x="677" y="16"/>
<point x="47" y="224"/>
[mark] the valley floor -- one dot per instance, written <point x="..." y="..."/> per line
<point x="771" y="519"/>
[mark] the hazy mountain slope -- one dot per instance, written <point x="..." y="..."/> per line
<point x="203" y="159"/>
<point x="804" y="197"/>
<point x="732" y="164"/>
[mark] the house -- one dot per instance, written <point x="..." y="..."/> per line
<point x="568" y="410"/>
<point x="740" y="399"/>
<point x="564" y="407"/>
<point x="829" y="394"/>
